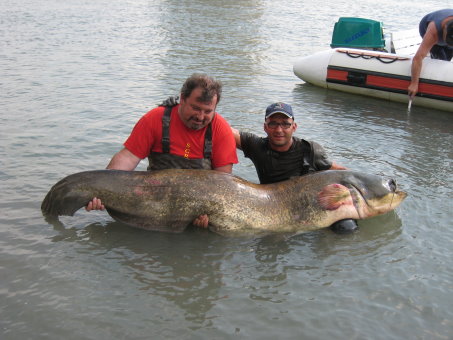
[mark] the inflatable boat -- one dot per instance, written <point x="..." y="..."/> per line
<point x="378" y="69"/>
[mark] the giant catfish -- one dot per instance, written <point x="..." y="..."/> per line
<point x="169" y="200"/>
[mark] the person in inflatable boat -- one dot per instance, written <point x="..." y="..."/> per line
<point x="436" y="29"/>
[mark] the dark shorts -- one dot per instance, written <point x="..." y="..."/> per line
<point x="441" y="52"/>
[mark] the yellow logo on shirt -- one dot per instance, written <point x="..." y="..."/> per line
<point x="187" y="150"/>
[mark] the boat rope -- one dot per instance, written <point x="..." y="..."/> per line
<point x="386" y="59"/>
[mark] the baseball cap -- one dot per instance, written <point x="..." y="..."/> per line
<point x="279" y="108"/>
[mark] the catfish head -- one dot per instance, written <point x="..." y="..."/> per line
<point x="358" y="195"/>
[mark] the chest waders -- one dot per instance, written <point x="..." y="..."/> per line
<point x="166" y="160"/>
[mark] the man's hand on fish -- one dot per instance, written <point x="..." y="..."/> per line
<point x="95" y="204"/>
<point x="201" y="221"/>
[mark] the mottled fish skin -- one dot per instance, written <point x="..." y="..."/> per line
<point x="169" y="200"/>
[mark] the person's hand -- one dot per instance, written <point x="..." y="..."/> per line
<point x="170" y="101"/>
<point x="412" y="90"/>
<point x="95" y="204"/>
<point x="201" y="221"/>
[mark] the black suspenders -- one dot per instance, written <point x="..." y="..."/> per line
<point x="166" y="135"/>
<point x="166" y="129"/>
<point x="208" y="142"/>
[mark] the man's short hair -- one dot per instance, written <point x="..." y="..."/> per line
<point x="209" y="85"/>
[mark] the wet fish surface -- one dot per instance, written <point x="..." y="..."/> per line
<point x="169" y="200"/>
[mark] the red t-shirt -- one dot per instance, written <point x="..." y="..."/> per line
<point x="189" y="143"/>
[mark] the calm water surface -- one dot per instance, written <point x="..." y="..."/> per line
<point x="77" y="75"/>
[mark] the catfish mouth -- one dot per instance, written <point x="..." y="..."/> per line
<point x="389" y="188"/>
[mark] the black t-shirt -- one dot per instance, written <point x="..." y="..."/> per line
<point x="273" y="166"/>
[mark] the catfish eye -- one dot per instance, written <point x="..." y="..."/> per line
<point x="392" y="185"/>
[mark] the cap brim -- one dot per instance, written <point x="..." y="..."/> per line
<point x="273" y="113"/>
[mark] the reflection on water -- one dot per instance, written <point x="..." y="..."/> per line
<point x="196" y="274"/>
<point x="144" y="257"/>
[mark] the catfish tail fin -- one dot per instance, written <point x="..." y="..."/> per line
<point x="67" y="196"/>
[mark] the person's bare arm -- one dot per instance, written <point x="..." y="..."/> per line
<point x="336" y="166"/>
<point x="237" y="138"/>
<point x="122" y="160"/>
<point x="429" y="40"/>
<point x="226" y="168"/>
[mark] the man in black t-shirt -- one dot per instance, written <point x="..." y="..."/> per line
<point x="280" y="155"/>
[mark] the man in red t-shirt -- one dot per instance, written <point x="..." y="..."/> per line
<point x="185" y="142"/>
<point x="190" y="135"/>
